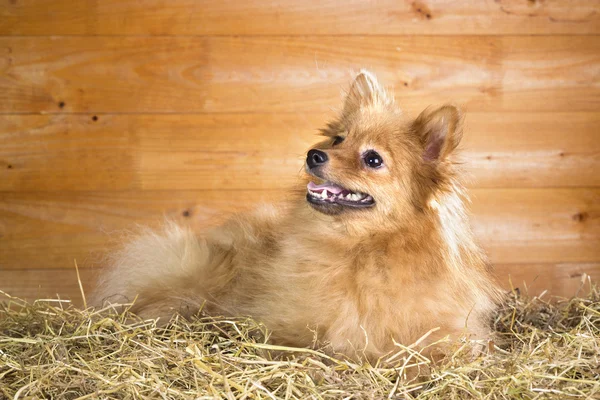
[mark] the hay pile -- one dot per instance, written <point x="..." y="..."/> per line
<point x="50" y="349"/>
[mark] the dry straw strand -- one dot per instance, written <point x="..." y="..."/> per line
<point x="51" y="349"/>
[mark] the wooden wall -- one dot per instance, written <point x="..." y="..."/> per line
<point x="117" y="112"/>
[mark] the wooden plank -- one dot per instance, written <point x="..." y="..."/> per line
<point x="290" y="17"/>
<point x="557" y="279"/>
<point x="116" y="152"/>
<point x="538" y="226"/>
<point x="298" y="74"/>
<point x="532" y="149"/>
<point x="49" y="230"/>
<point x="266" y="151"/>
<point x="33" y="284"/>
<point x="565" y="280"/>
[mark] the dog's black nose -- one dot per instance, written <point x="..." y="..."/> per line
<point x="316" y="158"/>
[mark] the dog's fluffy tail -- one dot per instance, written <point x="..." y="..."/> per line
<point x="160" y="272"/>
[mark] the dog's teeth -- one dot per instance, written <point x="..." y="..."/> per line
<point x="355" y="197"/>
<point x="324" y="194"/>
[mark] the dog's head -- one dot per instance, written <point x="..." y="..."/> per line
<point x="375" y="162"/>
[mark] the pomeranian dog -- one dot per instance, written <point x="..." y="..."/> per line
<point x="377" y="250"/>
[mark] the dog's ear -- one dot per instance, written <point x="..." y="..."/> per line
<point x="440" y="131"/>
<point x="365" y="91"/>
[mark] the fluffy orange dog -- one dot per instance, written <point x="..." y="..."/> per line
<point x="379" y="251"/>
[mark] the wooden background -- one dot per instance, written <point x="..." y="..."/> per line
<point x="117" y="112"/>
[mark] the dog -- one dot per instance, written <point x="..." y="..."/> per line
<point x="376" y="251"/>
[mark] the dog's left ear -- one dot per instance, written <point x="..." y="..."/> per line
<point x="440" y="131"/>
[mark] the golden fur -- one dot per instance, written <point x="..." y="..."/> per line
<point x="360" y="278"/>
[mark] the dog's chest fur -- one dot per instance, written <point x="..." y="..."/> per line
<point x="363" y="292"/>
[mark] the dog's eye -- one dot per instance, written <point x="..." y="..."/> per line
<point x="373" y="159"/>
<point x="337" y="140"/>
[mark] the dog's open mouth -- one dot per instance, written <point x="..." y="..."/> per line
<point x="329" y="193"/>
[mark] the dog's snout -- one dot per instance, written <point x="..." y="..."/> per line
<point x="316" y="158"/>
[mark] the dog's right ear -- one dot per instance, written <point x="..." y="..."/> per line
<point x="365" y="91"/>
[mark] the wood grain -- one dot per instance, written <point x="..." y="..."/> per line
<point x="49" y="230"/>
<point x="290" y="17"/>
<point x="565" y="280"/>
<point x="558" y="279"/>
<point x="294" y="74"/>
<point x="34" y="284"/>
<point x="119" y="112"/>
<point x="266" y="151"/>
<point x="521" y="150"/>
<point x="538" y="225"/>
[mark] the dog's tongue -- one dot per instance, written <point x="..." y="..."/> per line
<point x="330" y="187"/>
